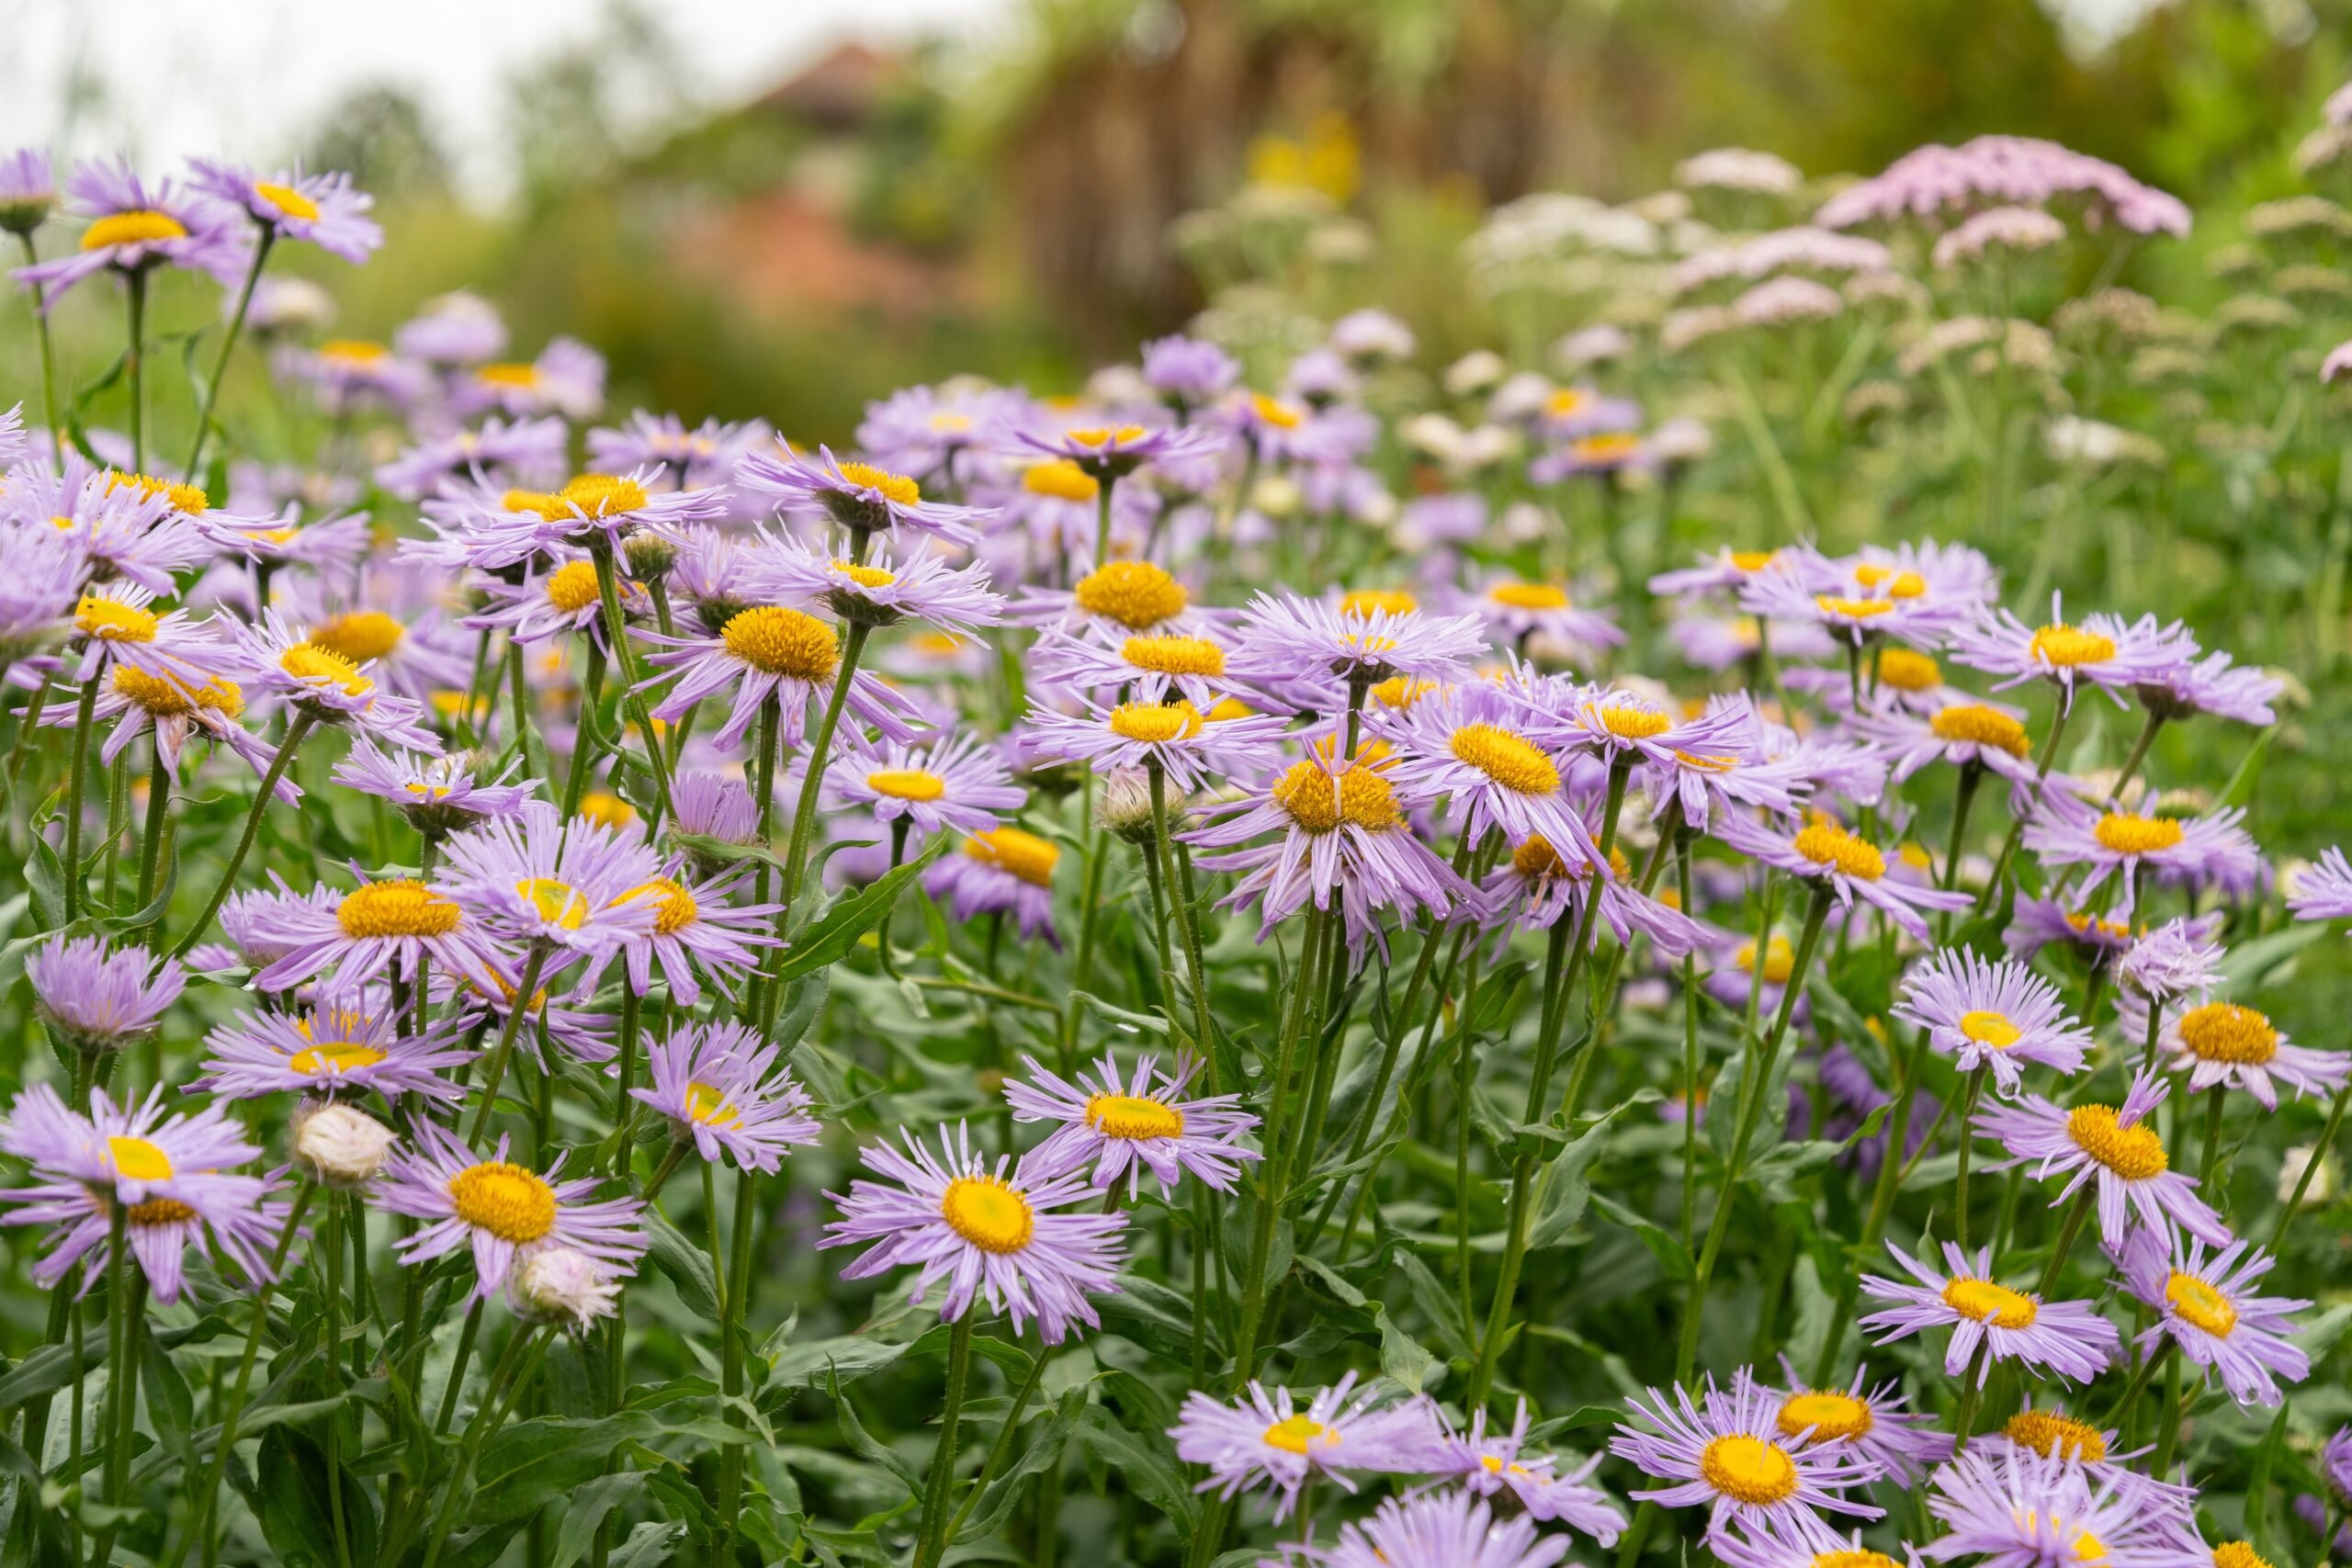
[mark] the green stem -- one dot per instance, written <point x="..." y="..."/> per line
<point x="228" y="342"/>
<point x="583" y="734"/>
<point x="1972" y="774"/>
<point x="1164" y="854"/>
<point x="2320" y="1151"/>
<point x="150" y="843"/>
<point x="818" y="752"/>
<point x="296" y="729"/>
<point x="517" y="1006"/>
<point x="732" y="1326"/>
<point x="1969" y="1097"/>
<point x="931" y="1539"/>
<point x="78" y="780"/>
<point x="48" y="354"/>
<point x="134" y="360"/>
<point x="466" y="1335"/>
<point x="486" y="1419"/>
<point x="623" y="655"/>
<point x="2068" y="1229"/>
<point x="1001" y="1450"/>
<point x="1271" y="1139"/>
<point x="2139" y="1383"/>
<point x="2156" y="721"/>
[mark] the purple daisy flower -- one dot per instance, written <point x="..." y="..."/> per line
<point x="583" y="1033"/>
<point x="1453" y="1529"/>
<point x="2069" y="1339"/>
<point x="171" y="1178"/>
<point x="1733" y="771"/>
<point x="1998" y="1015"/>
<point x="713" y="805"/>
<point x="695" y="929"/>
<point x="1517" y="611"/>
<point x="1484" y="1463"/>
<point x="858" y="496"/>
<point x="97" y="998"/>
<point x="2216" y="1042"/>
<point x="118" y="630"/>
<point x="721" y="1087"/>
<point x="1189" y="373"/>
<point x="615" y="506"/>
<point x="525" y="452"/>
<point x="692" y="459"/>
<point x="1149" y="666"/>
<point x="2103" y="650"/>
<point x="376" y="927"/>
<point x="438" y="795"/>
<point x="1537" y="888"/>
<point x="348" y="375"/>
<point x="2008" y="1507"/>
<point x="2214" y="684"/>
<point x="1266" y="1439"/>
<point x="1478" y="746"/>
<point x="1285" y="643"/>
<point x="576" y="886"/>
<point x="504" y="1212"/>
<point x="343" y="1046"/>
<point x="559" y="597"/>
<point x="2172" y="960"/>
<point x="987" y="1230"/>
<point x="1123" y="1128"/>
<point x="322" y="209"/>
<point x="28" y="189"/>
<point x="1113" y="452"/>
<point x="878" y="590"/>
<point x="566" y="378"/>
<point x="453" y="329"/>
<point x="1002" y="870"/>
<point x="334" y="545"/>
<point x="2050" y="1433"/>
<point x="1724" y="1451"/>
<point x="923" y="431"/>
<point x="2210" y="848"/>
<point x="1115" y="601"/>
<point x="120" y="525"/>
<point x="2038" y="923"/>
<point x="1176" y="735"/>
<point x="769" y="652"/>
<point x="956" y="781"/>
<point x="1962" y="734"/>
<point x="1735" y="1550"/>
<point x="135" y="225"/>
<point x="2323" y="891"/>
<point x="323" y="684"/>
<point x="37" y="592"/>
<point x="1852" y="866"/>
<point x="2207" y="1306"/>
<point x="2116" y="1146"/>
<point x="1902" y="1443"/>
<point x="174" y="710"/>
<point x="1896" y="605"/>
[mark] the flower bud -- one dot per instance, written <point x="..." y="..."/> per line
<point x="650" y="557"/>
<point x="1124" y="807"/>
<point x="564" y="1287"/>
<point x="341" y="1146"/>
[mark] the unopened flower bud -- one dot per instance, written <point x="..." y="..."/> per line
<point x="650" y="557"/>
<point x="1125" y="806"/>
<point x="2291" y="1172"/>
<point x="341" y="1146"/>
<point x="564" y="1287"/>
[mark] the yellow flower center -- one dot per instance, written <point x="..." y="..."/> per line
<point x="1061" y="478"/>
<point x="1753" y="561"/>
<point x="1297" y="1433"/>
<point x="2068" y="646"/>
<point x="1536" y="858"/>
<point x="1137" y="595"/>
<point x="1628" y="722"/>
<point x="1749" y="1469"/>
<point x="1829" y="846"/>
<point x="900" y="489"/>
<point x="359" y="637"/>
<point x="987" y="1212"/>
<point x="1981" y="1301"/>
<point x="1605" y="448"/>
<point x="2238" y="1554"/>
<point x="2051" y="1435"/>
<point x="1852" y="609"/>
<point x="287" y="199"/>
<point x="558" y="903"/>
<point x="1401" y="691"/>
<point x="1831" y="1415"/>
<point x="1899" y="584"/>
<point x="1174" y="655"/>
<point x="1319" y="801"/>
<point x="1908" y="672"/>
<point x="1024" y="856"/>
<point x="137" y="227"/>
<point x="2201" y="1304"/>
<point x="136" y="1160"/>
<point x="2224" y="1031"/>
<point x="510" y="1203"/>
<point x="397" y="908"/>
<point x="1507" y="758"/>
<point x="1989" y="1028"/>
<point x="572" y="588"/>
<point x="677" y="907"/>
<point x="1133" y="1118"/>
<point x="509" y="373"/>
<point x="590" y="495"/>
<point x="168" y="696"/>
<point x="2133" y="1153"/>
<point x="339" y="1054"/>
<point x="866" y="575"/>
<point x="2127" y="833"/>
<point x="1779" y="960"/>
<point x="1975" y="723"/>
<point x="1275" y="412"/>
<point x="1528" y="595"/>
<point x="607" y="809"/>
<point x="1154" y="724"/>
<point x="709" y="1106"/>
<point x="1227" y="707"/>
<point x="316" y="666"/>
<point x="159" y="1211"/>
<point x="906" y="783"/>
<point x="1853" y="1557"/>
<point x="1564" y="402"/>
<point x="357" y="351"/>
<point x="109" y="620"/>
<point x="189" y="499"/>
<point x="1367" y="601"/>
<point x="783" y="642"/>
<point x="1100" y="437"/>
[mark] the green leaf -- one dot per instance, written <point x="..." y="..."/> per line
<point x="687" y="1266"/>
<point x="846" y="1359"/>
<point x="647" y="1545"/>
<point x="291" y="1501"/>
<point x="529" y="1464"/>
<point x="1562" y="1198"/>
<point x="585" y="1513"/>
<point x="831" y="939"/>
<point x="46" y="876"/>
<point x="1665" y="1247"/>
<point x="1145" y="1462"/>
<point x="862" y="1443"/>
<point x="2250" y="964"/>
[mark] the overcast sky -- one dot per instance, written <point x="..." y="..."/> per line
<point x="245" y="78"/>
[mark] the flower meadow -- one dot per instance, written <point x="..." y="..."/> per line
<point x="1297" y="958"/>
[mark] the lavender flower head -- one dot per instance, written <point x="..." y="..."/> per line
<point x="1267" y="1440"/>
<point x="96" y="999"/>
<point x="2207" y="1306"/>
<point x="721" y="1090"/>
<point x="1123" y="1128"/>
<point x="504" y="1214"/>
<point x="1998" y="1015"/>
<point x="321" y="209"/>
<point x="1456" y="1530"/>
<point x="136" y="225"/>
<point x="2069" y="1339"/>
<point x="1723" y="1451"/>
<point x="1486" y="1463"/>
<point x="2116" y="1147"/>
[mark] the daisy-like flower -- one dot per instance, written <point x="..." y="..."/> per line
<point x="858" y="496"/>
<point x="120" y="525"/>
<point x="174" y="710"/>
<point x="1266" y="1439"/>
<point x="771" y="653"/>
<point x="1149" y="666"/>
<point x="2069" y="1339"/>
<point x="1285" y="642"/>
<point x="1001" y="871"/>
<point x="96" y="999"/>
<point x="1895" y="607"/>
<point x="566" y="378"/>
<point x="613" y="505"/>
<point x="438" y="795"/>
<point x="350" y="374"/>
<point x="692" y="459"/>
<point x="1853" y="867"/>
<point x="1985" y="734"/>
<point x="2102" y="651"/>
<point x="1477" y="745"/>
<point x="583" y="1033"/>
<point x="1517" y="611"/>
<point x="1736" y="1551"/>
<point x="1727" y="571"/>
<point x="2038" y="923"/>
<point x="504" y="1212"/>
<point x="2212" y="848"/>
<point x="2053" y="1434"/>
<point x="695" y="931"/>
<point x="276" y="659"/>
<point x="1868" y="1421"/>
<point x="1113" y="452"/>
<point x="1625" y="726"/>
<point x="1486" y="1463"/>
<point x="2116" y="1146"/>
<point x="1998" y="1015"/>
<point x="172" y="1179"/>
<point x="988" y="1230"/>
<point x="344" y="1046"/>
<point x="721" y="1087"/>
<point x="135" y="225"/>
<point x="37" y="593"/>
<point x="118" y="630"/>
<point x="333" y="545"/>
<point x="2324" y="890"/>
<point x="558" y="602"/>
<point x="376" y="927"/>
<point x="453" y="329"/>
<point x="1455" y="1530"/>
<point x="1537" y="888"/>
<point x="2207" y="1306"/>
<point x="321" y="209"/>
<point x="2005" y="1507"/>
<point x="1338" y="832"/>
<point x="2214" y="684"/>
<point x="1732" y="771"/>
<point x="525" y="452"/>
<point x="1176" y="735"/>
<point x="1120" y="1129"/>
<point x="1724" y="1451"/>
<point x="877" y="591"/>
<point x="2216" y="1042"/>
<point x="1115" y="601"/>
<point x="577" y="887"/>
<point x="28" y="189"/>
<point x="955" y="782"/>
